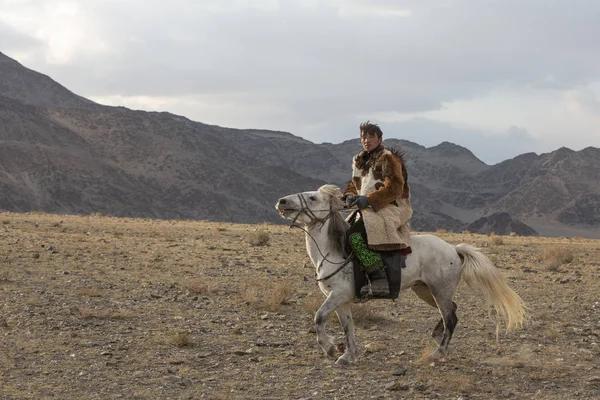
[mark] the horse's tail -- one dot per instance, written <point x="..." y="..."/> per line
<point x="479" y="272"/>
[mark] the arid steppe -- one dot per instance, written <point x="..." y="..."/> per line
<point x="96" y="307"/>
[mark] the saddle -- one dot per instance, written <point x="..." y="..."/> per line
<point x="393" y="261"/>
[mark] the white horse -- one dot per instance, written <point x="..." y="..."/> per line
<point x="433" y="271"/>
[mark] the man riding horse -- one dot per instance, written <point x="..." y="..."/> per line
<point x="379" y="235"/>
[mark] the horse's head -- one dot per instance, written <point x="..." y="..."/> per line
<point x="311" y="207"/>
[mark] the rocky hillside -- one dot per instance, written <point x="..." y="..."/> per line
<point x="60" y="152"/>
<point x="31" y="87"/>
<point x="121" y="162"/>
<point x="500" y="223"/>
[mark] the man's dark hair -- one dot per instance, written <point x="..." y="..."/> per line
<point x="367" y="128"/>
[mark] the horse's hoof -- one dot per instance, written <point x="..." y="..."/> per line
<point x="344" y="360"/>
<point x="331" y="351"/>
<point x="437" y="357"/>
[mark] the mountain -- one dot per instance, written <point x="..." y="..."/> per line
<point x="502" y="224"/>
<point x="60" y="152"/>
<point x="30" y="87"/>
<point x="561" y="187"/>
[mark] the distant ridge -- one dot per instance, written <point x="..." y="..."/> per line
<point x="62" y="153"/>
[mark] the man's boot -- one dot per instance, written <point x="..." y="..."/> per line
<point x="378" y="286"/>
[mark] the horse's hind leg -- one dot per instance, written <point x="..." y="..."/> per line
<point x="422" y="291"/>
<point x="447" y="308"/>
<point x="331" y="303"/>
<point x="438" y="331"/>
<point x="442" y="300"/>
<point x="344" y="314"/>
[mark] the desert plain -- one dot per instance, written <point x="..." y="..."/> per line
<point x="99" y="307"/>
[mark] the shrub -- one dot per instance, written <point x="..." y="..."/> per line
<point x="269" y="299"/>
<point x="257" y="238"/>
<point x="181" y="339"/>
<point x="497" y="240"/>
<point x="557" y="256"/>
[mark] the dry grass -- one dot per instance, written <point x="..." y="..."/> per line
<point x="89" y="292"/>
<point x="199" y="286"/>
<point x="181" y="339"/>
<point x="556" y="256"/>
<point x="442" y="230"/>
<point x="547" y="375"/>
<point x="257" y="238"/>
<point x="154" y="271"/>
<point x="89" y="313"/>
<point x="366" y="315"/>
<point x="457" y="383"/>
<point x="312" y="302"/>
<point x="496" y="240"/>
<point x="278" y="296"/>
<point x="552" y="334"/>
<point x="494" y="259"/>
<point x="268" y="298"/>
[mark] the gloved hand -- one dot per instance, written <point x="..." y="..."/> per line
<point x="361" y="201"/>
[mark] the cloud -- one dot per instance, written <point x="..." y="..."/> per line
<point x="490" y="147"/>
<point x="16" y="43"/>
<point x="316" y="66"/>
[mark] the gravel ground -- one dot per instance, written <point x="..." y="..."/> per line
<point x="107" y="308"/>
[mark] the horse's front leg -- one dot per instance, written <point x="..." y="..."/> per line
<point x="331" y="303"/>
<point x="344" y="313"/>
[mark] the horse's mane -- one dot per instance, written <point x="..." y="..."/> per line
<point x="338" y="226"/>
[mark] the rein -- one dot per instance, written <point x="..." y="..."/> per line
<point x="346" y="261"/>
<point x="313" y="221"/>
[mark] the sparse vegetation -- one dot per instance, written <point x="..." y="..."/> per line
<point x="496" y="240"/>
<point x="198" y="286"/>
<point x="86" y="313"/>
<point x="268" y="298"/>
<point x="555" y="256"/>
<point x="257" y="238"/>
<point x="312" y="302"/>
<point x="89" y="292"/>
<point x="181" y="339"/>
<point x="176" y="304"/>
<point x="278" y="296"/>
<point x="441" y="230"/>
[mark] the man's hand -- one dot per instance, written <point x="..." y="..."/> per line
<point x="361" y="201"/>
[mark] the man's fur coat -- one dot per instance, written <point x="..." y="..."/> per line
<point x="381" y="176"/>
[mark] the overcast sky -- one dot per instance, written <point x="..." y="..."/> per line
<point x="500" y="77"/>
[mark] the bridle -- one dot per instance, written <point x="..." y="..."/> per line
<point x="314" y="220"/>
<point x="310" y="213"/>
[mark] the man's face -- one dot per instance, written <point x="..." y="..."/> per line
<point x="370" y="142"/>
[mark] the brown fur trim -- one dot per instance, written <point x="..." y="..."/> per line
<point x="400" y="155"/>
<point x="394" y="183"/>
<point x="387" y="247"/>
<point x="350" y="188"/>
<point x="357" y="183"/>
